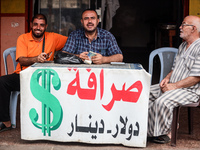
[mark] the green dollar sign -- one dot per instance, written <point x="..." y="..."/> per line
<point x="50" y="104"/>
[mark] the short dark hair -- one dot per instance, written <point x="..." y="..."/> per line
<point x="89" y="9"/>
<point x="40" y="16"/>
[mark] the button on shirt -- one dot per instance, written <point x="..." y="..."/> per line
<point x="105" y="43"/>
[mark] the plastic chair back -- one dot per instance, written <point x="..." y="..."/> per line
<point x="166" y="56"/>
<point x="14" y="94"/>
<point x="12" y="52"/>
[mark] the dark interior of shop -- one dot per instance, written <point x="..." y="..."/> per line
<point x="142" y="26"/>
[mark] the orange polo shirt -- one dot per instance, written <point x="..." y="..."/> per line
<point x="28" y="47"/>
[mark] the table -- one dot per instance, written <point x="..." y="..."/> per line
<point x="98" y="104"/>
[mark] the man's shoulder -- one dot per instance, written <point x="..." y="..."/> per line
<point x="104" y="33"/>
<point x="53" y="35"/>
<point x="77" y="34"/>
<point x="25" y="36"/>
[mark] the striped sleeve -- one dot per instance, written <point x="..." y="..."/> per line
<point x="195" y="70"/>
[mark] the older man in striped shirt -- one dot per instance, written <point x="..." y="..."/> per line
<point x="180" y="86"/>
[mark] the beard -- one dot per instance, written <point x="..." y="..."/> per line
<point x="87" y="29"/>
<point x="91" y="31"/>
<point x="38" y="35"/>
<point x="183" y="36"/>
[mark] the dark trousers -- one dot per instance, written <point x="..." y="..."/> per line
<point x="8" y="83"/>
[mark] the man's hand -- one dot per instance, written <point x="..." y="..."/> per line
<point x="84" y="56"/>
<point x="42" y="57"/>
<point x="164" y="82"/>
<point x="97" y="59"/>
<point x="168" y="87"/>
<point x="27" y="61"/>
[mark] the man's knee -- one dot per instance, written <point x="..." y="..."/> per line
<point x="10" y="82"/>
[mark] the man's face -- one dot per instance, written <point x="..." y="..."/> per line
<point x="38" y="27"/>
<point x="186" y="28"/>
<point x="89" y="21"/>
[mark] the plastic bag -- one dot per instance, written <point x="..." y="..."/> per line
<point x="66" y="58"/>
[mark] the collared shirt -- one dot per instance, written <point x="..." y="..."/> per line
<point x="28" y="47"/>
<point x="105" y="43"/>
<point x="187" y="64"/>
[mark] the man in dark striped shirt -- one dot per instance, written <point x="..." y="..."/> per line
<point x="92" y="38"/>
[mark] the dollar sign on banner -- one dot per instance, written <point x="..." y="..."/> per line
<point x="50" y="104"/>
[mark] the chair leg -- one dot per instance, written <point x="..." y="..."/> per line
<point x="174" y="126"/>
<point x="13" y="107"/>
<point x="190" y="120"/>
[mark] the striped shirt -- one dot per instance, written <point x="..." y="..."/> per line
<point x="105" y="43"/>
<point x="187" y="64"/>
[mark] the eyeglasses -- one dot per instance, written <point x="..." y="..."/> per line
<point x="182" y="25"/>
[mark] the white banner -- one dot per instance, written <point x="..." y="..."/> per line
<point x="85" y="105"/>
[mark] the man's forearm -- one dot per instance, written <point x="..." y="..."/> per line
<point x="187" y="82"/>
<point x="27" y="61"/>
<point x="169" y="74"/>
<point x="113" y="58"/>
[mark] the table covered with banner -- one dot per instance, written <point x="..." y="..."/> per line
<point x="99" y="104"/>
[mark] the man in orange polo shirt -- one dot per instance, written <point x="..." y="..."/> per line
<point x="36" y="46"/>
